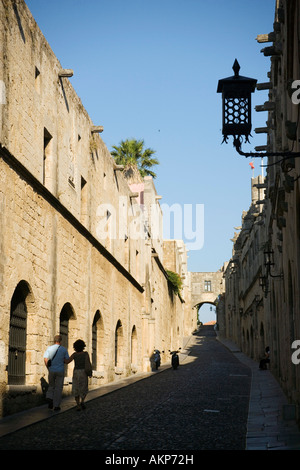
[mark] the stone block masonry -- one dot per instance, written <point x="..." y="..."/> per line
<point x="58" y="275"/>
<point x="42" y="247"/>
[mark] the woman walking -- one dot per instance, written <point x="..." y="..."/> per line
<point x="80" y="373"/>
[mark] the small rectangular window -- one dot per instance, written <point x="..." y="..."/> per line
<point x="84" y="201"/>
<point x="207" y="286"/>
<point x="46" y="156"/>
<point x="37" y="80"/>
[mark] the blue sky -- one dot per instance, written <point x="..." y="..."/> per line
<point x="149" y="70"/>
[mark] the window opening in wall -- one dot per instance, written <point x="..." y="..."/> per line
<point x="84" y="205"/>
<point x="137" y="263"/>
<point x="207" y="286"/>
<point x="47" y="155"/>
<point x="37" y="80"/>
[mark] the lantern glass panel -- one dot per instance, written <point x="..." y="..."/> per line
<point x="236" y="111"/>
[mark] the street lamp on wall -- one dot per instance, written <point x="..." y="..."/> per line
<point x="269" y="261"/>
<point x="236" y="105"/>
<point x="236" y="109"/>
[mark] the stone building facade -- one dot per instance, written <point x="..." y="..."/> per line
<point x="263" y="276"/>
<point x="176" y="260"/>
<point x="78" y="256"/>
<point x="244" y="321"/>
<point x="207" y="287"/>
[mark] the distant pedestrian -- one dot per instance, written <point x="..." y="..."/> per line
<point x="266" y="360"/>
<point x="82" y="370"/>
<point x="157" y="358"/>
<point x="54" y="359"/>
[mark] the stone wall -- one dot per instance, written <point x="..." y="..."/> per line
<point x="46" y="127"/>
<point x="70" y="259"/>
<point x="44" y="247"/>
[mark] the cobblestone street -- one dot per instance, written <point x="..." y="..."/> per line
<point x="203" y="405"/>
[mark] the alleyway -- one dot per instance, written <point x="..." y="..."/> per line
<point x="201" y="406"/>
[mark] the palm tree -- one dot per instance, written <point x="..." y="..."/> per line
<point x="131" y="154"/>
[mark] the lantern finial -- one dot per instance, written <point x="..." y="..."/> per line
<point x="236" y="68"/>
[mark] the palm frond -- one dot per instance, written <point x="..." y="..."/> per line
<point x="130" y="152"/>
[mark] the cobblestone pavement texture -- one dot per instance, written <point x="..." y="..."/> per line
<point x="203" y="405"/>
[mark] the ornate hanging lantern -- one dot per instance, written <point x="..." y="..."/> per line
<point x="236" y="97"/>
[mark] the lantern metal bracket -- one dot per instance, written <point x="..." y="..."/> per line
<point x="237" y="143"/>
<point x="269" y="261"/>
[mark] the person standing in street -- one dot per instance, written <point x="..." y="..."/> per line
<point x="266" y="360"/>
<point x="54" y="358"/>
<point x="82" y="370"/>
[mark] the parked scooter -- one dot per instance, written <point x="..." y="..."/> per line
<point x="175" y="359"/>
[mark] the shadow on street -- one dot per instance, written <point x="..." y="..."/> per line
<point x="203" y="405"/>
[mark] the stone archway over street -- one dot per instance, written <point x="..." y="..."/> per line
<point x="206" y="288"/>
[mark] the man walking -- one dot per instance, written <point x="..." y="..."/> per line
<point x="57" y="355"/>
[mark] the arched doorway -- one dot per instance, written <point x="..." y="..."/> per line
<point x="119" y="342"/>
<point x="66" y="314"/>
<point x="21" y="302"/>
<point x="97" y="341"/>
<point x="134" y="354"/>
